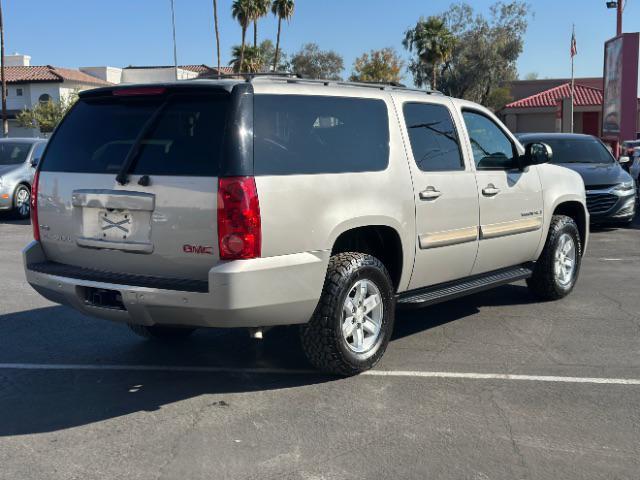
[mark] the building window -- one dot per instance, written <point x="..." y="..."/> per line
<point x="18" y="92"/>
<point x="44" y="98"/>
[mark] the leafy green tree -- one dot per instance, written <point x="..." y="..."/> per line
<point x="311" y="62"/>
<point x="486" y="51"/>
<point x="46" y="116"/>
<point x="498" y="98"/>
<point x="243" y="12"/>
<point x="284" y="10"/>
<point x="433" y="44"/>
<point x="378" y="66"/>
<point x="531" y="76"/>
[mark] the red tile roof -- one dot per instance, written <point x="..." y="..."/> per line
<point x="584" y="97"/>
<point x="197" y="68"/>
<point x="48" y="73"/>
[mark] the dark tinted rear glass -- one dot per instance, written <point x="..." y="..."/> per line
<point x="434" y="139"/>
<point x="12" y="153"/>
<point x="98" y="134"/>
<point x="295" y="134"/>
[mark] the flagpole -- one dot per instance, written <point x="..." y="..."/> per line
<point x="573" y="82"/>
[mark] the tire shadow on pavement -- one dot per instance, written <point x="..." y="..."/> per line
<point x="45" y="400"/>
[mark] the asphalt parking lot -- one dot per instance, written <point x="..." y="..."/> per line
<point x="494" y="386"/>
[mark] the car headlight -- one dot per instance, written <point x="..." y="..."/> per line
<point x="625" y="187"/>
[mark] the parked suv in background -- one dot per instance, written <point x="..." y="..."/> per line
<point x="18" y="158"/>
<point x="610" y="189"/>
<point x="279" y="201"/>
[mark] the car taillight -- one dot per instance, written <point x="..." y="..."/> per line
<point x="34" y="206"/>
<point x="239" y="225"/>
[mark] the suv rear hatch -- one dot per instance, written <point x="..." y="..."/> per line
<point x="129" y="181"/>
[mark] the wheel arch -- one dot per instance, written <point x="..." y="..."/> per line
<point x="577" y="212"/>
<point x="381" y="240"/>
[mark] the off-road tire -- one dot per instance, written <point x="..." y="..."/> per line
<point x="322" y="339"/>
<point x="543" y="284"/>
<point x="161" y="333"/>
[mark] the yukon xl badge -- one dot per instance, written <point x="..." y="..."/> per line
<point x="197" y="249"/>
<point x="531" y="214"/>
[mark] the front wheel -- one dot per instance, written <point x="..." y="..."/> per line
<point x="352" y="324"/>
<point x="22" y="202"/>
<point x="556" y="271"/>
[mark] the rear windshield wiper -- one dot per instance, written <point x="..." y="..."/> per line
<point x="134" y="152"/>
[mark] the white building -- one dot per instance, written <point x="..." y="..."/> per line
<point x="150" y="74"/>
<point x="27" y="85"/>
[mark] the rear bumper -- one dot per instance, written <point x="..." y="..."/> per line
<point x="252" y="293"/>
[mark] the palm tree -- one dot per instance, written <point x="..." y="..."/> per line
<point x="253" y="59"/>
<point x="215" y="21"/>
<point x="433" y="42"/>
<point x="242" y="11"/>
<point x="260" y="9"/>
<point x="283" y="9"/>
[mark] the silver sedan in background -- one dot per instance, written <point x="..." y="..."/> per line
<point x="18" y="159"/>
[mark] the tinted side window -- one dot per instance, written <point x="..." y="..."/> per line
<point x="97" y="135"/>
<point x="492" y="149"/>
<point x="434" y="139"/>
<point x="296" y="134"/>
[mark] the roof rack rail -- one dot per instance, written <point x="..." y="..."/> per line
<point x="293" y="78"/>
<point x="248" y="76"/>
<point x="290" y="77"/>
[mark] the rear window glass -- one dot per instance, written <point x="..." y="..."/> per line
<point x="588" y="150"/>
<point x="97" y="135"/>
<point x="295" y="134"/>
<point x="12" y="153"/>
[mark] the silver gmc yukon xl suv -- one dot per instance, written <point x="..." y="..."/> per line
<point x="280" y="201"/>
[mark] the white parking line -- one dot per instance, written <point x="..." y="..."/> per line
<point x="504" y="376"/>
<point x="283" y="371"/>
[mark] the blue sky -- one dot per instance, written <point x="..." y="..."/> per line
<point x="138" y="32"/>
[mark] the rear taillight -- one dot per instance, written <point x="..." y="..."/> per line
<point x="239" y="226"/>
<point x="34" y="206"/>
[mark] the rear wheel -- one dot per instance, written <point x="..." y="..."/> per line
<point x="165" y="334"/>
<point x="556" y="271"/>
<point x="22" y="202"/>
<point x="352" y="324"/>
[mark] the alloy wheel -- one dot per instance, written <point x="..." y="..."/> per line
<point x="362" y="316"/>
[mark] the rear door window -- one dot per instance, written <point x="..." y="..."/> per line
<point x="434" y="139"/>
<point x="296" y="134"/>
<point x="97" y="135"/>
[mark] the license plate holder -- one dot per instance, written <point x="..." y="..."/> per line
<point x="115" y="225"/>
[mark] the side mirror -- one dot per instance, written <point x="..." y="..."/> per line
<point x="623" y="160"/>
<point x="536" y="154"/>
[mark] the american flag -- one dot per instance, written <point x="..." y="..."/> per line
<point x="574" y="44"/>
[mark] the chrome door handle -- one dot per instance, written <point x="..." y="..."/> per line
<point x="490" y="191"/>
<point x="430" y="194"/>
